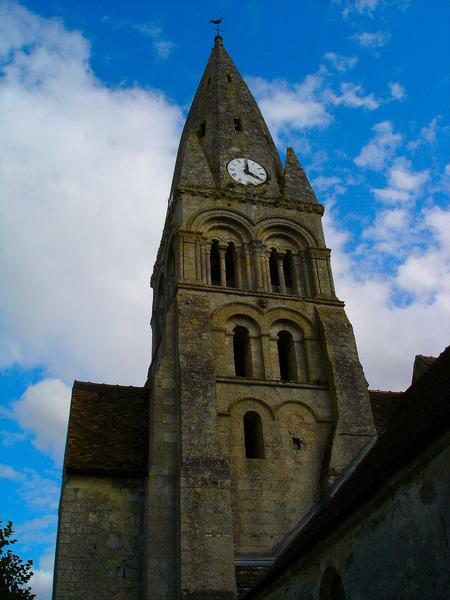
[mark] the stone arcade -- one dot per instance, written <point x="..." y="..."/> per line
<point x="255" y="403"/>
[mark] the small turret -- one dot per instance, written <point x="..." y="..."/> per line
<point x="296" y="183"/>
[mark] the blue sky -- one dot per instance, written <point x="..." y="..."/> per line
<point x="92" y="102"/>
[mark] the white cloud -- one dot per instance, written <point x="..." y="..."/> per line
<point x="298" y="106"/>
<point x="368" y="39"/>
<point x="391" y="233"/>
<point x="40" y="494"/>
<point x="162" y="47"/>
<point x="353" y="96"/>
<point x="85" y="174"/>
<point x="397" y="91"/>
<point x="323" y="183"/>
<point x="367" y="8"/>
<point x="427" y="274"/>
<point x="427" y="134"/>
<point x="332" y="186"/>
<point x="43" y="410"/>
<point x="9" y="438"/>
<point x="402" y="177"/>
<point x="341" y="62"/>
<point x="380" y="148"/>
<point x="391" y="195"/>
<point x="361" y="7"/>
<point x="42" y="581"/>
<point x="390" y="334"/>
<point x="8" y="472"/>
<point x="306" y="105"/>
<point x="404" y="184"/>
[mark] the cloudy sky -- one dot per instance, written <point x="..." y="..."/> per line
<point x="92" y="101"/>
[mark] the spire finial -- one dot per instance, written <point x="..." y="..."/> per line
<point x="218" y="38"/>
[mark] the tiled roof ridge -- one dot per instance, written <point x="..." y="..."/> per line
<point x="78" y="383"/>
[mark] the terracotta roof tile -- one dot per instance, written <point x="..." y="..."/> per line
<point x="108" y="429"/>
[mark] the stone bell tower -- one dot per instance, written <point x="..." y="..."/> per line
<point x="257" y="397"/>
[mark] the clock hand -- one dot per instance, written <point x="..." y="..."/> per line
<point x="254" y="175"/>
<point x="246" y="169"/>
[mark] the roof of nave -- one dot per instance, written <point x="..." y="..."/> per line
<point x="108" y="430"/>
<point x="418" y="417"/>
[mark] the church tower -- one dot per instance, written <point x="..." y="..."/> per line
<point x="258" y="399"/>
<point x="255" y="402"/>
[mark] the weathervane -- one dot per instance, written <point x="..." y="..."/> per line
<point x="217" y="22"/>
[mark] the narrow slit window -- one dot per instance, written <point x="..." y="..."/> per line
<point x="230" y="262"/>
<point x="242" y="352"/>
<point x="273" y="267"/>
<point x="237" y="123"/>
<point x="201" y="129"/>
<point x="297" y="444"/>
<point x="286" y="356"/>
<point x="253" y="434"/>
<point x="229" y="78"/>
<point x="215" y="263"/>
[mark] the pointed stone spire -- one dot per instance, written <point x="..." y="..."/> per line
<point x="296" y="183"/>
<point x="227" y="123"/>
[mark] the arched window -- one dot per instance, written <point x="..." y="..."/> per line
<point x="230" y="261"/>
<point x="215" y="263"/>
<point x="287" y="270"/>
<point x="331" y="587"/>
<point x="274" y="276"/>
<point x="253" y="434"/>
<point x="242" y="352"/>
<point x="286" y="356"/>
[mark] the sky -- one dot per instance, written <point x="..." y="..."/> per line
<point x="93" y="97"/>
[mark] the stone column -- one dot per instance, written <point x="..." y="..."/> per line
<point x="203" y="260"/>
<point x="267" y="357"/>
<point x="281" y="273"/>
<point x="330" y="276"/>
<point x="296" y="275"/>
<point x="267" y="271"/>
<point x="257" y="262"/>
<point x="198" y="261"/>
<point x="223" y="270"/>
<point x="208" y="264"/>
<point x="248" y="269"/>
<point x="306" y="270"/>
<point x="315" y="278"/>
<point x="238" y="266"/>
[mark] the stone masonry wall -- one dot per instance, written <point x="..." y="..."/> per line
<point x="161" y="514"/>
<point x="395" y="548"/>
<point x="99" y="549"/>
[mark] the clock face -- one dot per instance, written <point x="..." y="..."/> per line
<point x="246" y="171"/>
